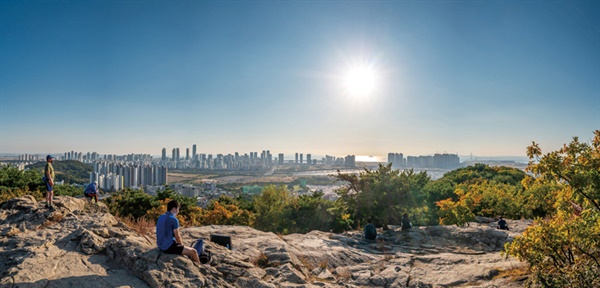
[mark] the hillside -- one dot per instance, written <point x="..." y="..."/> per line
<point x="71" y="171"/>
<point x="81" y="246"/>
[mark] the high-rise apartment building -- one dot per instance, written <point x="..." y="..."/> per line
<point x="187" y="153"/>
<point x="397" y="159"/>
<point x="280" y="160"/>
<point x="164" y="154"/>
<point x="308" y="159"/>
<point x="350" y="161"/>
<point x="194" y="155"/>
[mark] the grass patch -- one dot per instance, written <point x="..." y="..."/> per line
<point x="143" y="225"/>
<point x="261" y="261"/>
<point x="306" y="263"/>
<point x="514" y="273"/>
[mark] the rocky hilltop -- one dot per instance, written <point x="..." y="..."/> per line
<point x="79" y="245"/>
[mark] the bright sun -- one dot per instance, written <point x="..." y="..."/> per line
<point x="360" y="81"/>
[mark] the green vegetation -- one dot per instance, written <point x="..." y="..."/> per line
<point x="71" y="171"/>
<point x="564" y="249"/>
<point x="16" y="183"/>
<point x="381" y="196"/>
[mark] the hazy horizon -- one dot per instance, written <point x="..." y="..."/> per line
<point x="319" y="77"/>
<point x="291" y="157"/>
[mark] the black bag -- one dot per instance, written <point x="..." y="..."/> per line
<point x="205" y="257"/>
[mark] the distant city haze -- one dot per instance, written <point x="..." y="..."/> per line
<point x="363" y="78"/>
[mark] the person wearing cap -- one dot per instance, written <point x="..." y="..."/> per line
<point x="91" y="191"/>
<point x="49" y="173"/>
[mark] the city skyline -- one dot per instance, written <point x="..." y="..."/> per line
<point x="343" y="78"/>
<point x="164" y="156"/>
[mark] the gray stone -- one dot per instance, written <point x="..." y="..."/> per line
<point x="326" y="275"/>
<point x="291" y="275"/>
<point x="252" y="283"/>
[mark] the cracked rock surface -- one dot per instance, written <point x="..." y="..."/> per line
<point x="81" y="246"/>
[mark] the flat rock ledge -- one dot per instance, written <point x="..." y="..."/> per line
<point x="79" y="245"/>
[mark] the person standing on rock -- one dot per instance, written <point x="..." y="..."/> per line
<point x="167" y="233"/>
<point x="49" y="180"/>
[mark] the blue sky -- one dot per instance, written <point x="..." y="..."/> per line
<point x="463" y="77"/>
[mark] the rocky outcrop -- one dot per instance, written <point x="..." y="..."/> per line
<point x="79" y="245"/>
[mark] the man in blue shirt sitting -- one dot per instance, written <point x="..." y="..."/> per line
<point x="167" y="233"/>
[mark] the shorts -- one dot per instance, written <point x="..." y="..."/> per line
<point x="175" y="248"/>
<point x="90" y="195"/>
<point x="49" y="187"/>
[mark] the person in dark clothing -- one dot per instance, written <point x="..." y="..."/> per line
<point x="502" y="224"/>
<point x="406" y="222"/>
<point x="370" y="232"/>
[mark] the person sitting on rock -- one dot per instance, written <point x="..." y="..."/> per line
<point x="91" y="191"/>
<point x="406" y="222"/>
<point x="168" y="239"/>
<point x="502" y="224"/>
<point x="370" y="231"/>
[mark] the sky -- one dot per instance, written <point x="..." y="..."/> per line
<point x="460" y="77"/>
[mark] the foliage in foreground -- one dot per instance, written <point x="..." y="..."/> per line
<point x="17" y="183"/>
<point x="564" y="250"/>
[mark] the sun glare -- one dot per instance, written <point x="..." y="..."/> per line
<point x="360" y="81"/>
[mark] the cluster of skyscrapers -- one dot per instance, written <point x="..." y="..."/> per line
<point x="114" y="176"/>
<point x="251" y="161"/>
<point x="441" y="161"/>
<point x="236" y="161"/>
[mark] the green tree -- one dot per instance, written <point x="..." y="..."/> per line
<point x="310" y="212"/>
<point x="130" y="203"/>
<point x="17" y="183"/>
<point x="381" y="195"/>
<point x="564" y="250"/>
<point x="270" y="208"/>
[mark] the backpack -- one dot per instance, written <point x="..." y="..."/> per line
<point x="370" y="232"/>
<point x="204" y="256"/>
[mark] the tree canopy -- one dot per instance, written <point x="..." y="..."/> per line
<point x="564" y="249"/>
